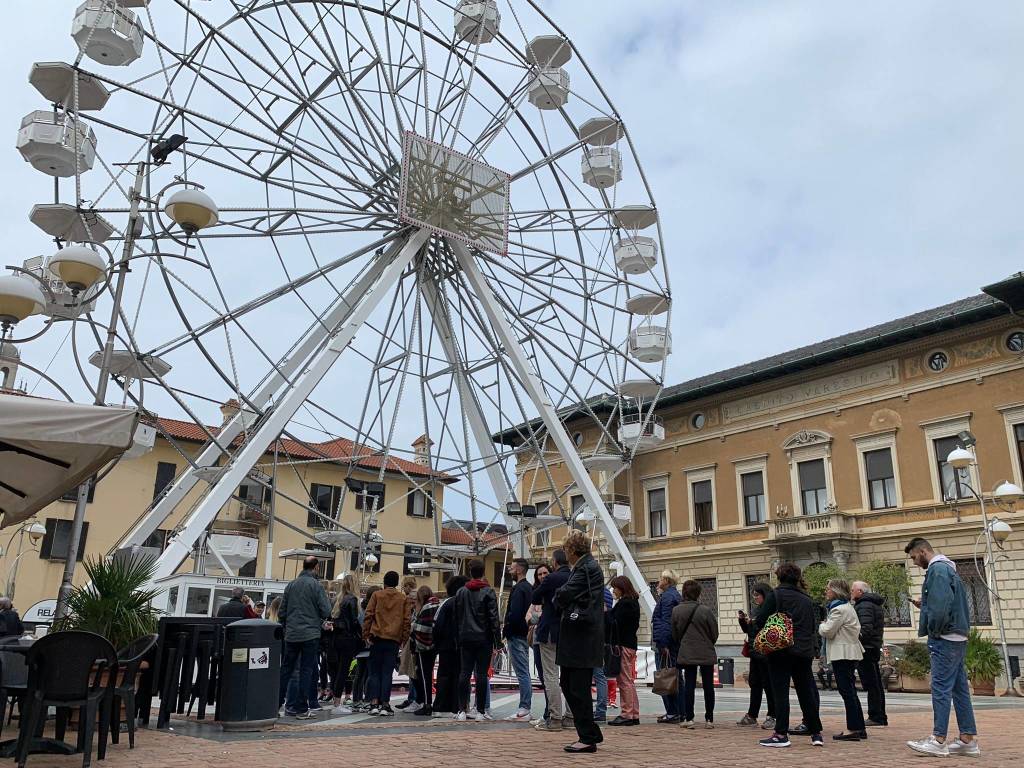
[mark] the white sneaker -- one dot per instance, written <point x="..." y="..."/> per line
<point x="341" y="710"/>
<point x="460" y="717"/>
<point x="929" y="746"/>
<point x="478" y="717"/>
<point x="374" y="711"/>
<point x="414" y="709"/>
<point x="964" y="748"/>
<point x="521" y="716"/>
<point x="487" y="715"/>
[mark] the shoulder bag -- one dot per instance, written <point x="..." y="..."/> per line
<point x="775" y="635"/>
<point x="666" y="679"/>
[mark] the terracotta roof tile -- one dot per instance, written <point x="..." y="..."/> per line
<point x="341" y="450"/>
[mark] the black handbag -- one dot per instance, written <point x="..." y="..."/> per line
<point x="612" y="660"/>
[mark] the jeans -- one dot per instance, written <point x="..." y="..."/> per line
<point x="575" y="684"/>
<point x="627" y="685"/>
<point x="383" y="658"/>
<point x="476" y="658"/>
<point x="305" y="655"/>
<point x="949" y="686"/>
<point x="556" y="708"/>
<point x="844" y="670"/>
<point x="759" y="681"/>
<point x="666" y="657"/>
<point x="601" y="684"/>
<point x="784" y="667"/>
<point x="871" y="681"/>
<point x="707" y="679"/>
<point x="519" y="653"/>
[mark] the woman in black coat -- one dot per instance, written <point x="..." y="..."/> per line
<point x="581" y="637"/>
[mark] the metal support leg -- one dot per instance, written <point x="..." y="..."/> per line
<point x="556" y="429"/>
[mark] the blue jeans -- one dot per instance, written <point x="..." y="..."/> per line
<point x="519" y="653"/>
<point x="306" y="655"/>
<point x="601" y="683"/>
<point x="666" y="657"/>
<point x="383" y="659"/>
<point x="949" y="685"/>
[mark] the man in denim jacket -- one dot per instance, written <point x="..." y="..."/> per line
<point x="946" y="623"/>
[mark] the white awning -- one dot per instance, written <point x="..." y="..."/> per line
<point x="48" y="448"/>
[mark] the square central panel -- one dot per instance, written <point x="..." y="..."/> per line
<point x="450" y="194"/>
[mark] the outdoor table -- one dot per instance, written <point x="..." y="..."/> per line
<point x="19" y="682"/>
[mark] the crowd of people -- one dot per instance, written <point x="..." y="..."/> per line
<point x="580" y="635"/>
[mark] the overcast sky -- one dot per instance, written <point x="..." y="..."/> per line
<point x="819" y="167"/>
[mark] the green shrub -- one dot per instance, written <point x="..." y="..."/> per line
<point x="915" y="661"/>
<point x="984" y="659"/>
<point x="114" y="603"/>
<point x="818" y="575"/>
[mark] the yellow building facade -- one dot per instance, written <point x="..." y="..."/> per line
<point x="406" y="520"/>
<point x="833" y="454"/>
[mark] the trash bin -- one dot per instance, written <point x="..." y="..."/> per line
<point x="250" y="675"/>
<point x="726" y="673"/>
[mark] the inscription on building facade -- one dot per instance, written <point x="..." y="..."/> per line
<point x="819" y="389"/>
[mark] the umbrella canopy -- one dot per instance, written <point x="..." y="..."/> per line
<point x="47" y="448"/>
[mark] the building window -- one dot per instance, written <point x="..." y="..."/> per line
<point x="575" y="504"/>
<point x="165" y="472"/>
<point x="813" y="489"/>
<point x="953" y="482"/>
<point x="978" y="605"/>
<point x="657" y="513"/>
<point x="325" y="499"/>
<point x="502" y="578"/>
<point x="1018" y="437"/>
<point x="752" y="484"/>
<point x="542" y="538"/>
<point x="355" y="566"/>
<point x="158" y="539"/>
<point x="708" y="593"/>
<point x="419" y="504"/>
<point x="750" y="581"/>
<point x="369" y="496"/>
<point x="703" y="506"/>
<point x="881" y="478"/>
<point x="58" y="535"/>
<point x="72" y="495"/>
<point x="414" y="554"/>
<point x="698" y="420"/>
<point x="897" y="614"/>
<point x="1015" y="342"/>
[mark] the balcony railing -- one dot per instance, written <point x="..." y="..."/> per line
<point x="812" y="526"/>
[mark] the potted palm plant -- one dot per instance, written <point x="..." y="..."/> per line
<point x="984" y="663"/>
<point x="115" y="603"/>
<point x="915" y="668"/>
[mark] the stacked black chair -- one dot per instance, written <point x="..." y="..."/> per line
<point x="129" y="660"/>
<point x="67" y="670"/>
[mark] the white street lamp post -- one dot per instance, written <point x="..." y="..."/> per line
<point x="35" y="531"/>
<point x="1008" y="493"/>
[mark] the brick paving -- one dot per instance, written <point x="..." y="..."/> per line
<point x="405" y="744"/>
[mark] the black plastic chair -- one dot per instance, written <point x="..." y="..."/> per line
<point x="66" y="670"/>
<point x="129" y="659"/>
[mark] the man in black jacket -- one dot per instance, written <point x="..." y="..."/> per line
<point x="514" y="631"/>
<point x="10" y="622"/>
<point x="233" y="608"/>
<point x="546" y="634"/>
<point x="476" y="611"/>
<point x="872" y="629"/>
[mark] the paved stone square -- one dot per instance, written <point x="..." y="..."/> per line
<point x="409" y="742"/>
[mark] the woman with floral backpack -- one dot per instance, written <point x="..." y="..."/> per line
<point x="787" y="639"/>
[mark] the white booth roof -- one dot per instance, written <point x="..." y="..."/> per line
<point x="48" y="447"/>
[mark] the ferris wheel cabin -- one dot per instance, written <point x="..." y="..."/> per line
<point x="550" y="86"/>
<point x="107" y="33"/>
<point x="56" y="144"/>
<point x="477" y="22"/>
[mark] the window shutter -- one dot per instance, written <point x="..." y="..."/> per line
<point x="410" y="503"/>
<point x="81" y="542"/>
<point x="429" y="501"/>
<point x="47" y="544"/>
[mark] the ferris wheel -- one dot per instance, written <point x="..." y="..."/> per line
<point x="367" y="220"/>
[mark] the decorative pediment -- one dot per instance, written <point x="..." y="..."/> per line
<point x="807" y="437"/>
